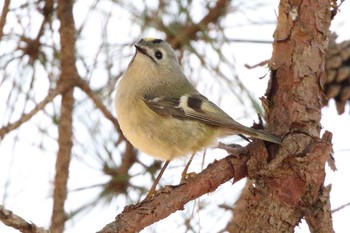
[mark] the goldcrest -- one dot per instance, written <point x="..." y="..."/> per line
<point x="162" y="114"/>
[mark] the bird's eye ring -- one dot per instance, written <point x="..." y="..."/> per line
<point x="158" y="54"/>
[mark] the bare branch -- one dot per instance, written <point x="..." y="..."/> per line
<point x="84" y="86"/>
<point x="5" y="10"/>
<point x="189" y="31"/>
<point x="65" y="131"/>
<point x="172" y="198"/>
<point x="341" y="207"/>
<point x="136" y="217"/>
<point x="12" y="220"/>
<point x="25" y="117"/>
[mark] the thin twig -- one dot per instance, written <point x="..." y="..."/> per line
<point x="83" y="85"/>
<point x="25" y="117"/>
<point x="340" y="207"/>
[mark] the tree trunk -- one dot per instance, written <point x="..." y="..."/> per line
<point x="289" y="184"/>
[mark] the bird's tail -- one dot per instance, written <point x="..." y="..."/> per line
<point x="259" y="134"/>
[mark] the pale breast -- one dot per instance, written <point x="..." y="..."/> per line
<point x="161" y="137"/>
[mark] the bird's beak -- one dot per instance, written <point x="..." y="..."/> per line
<point x="138" y="48"/>
<point x="141" y="50"/>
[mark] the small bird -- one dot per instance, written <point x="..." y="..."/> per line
<point x="162" y="114"/>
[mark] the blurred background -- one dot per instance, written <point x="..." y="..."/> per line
<point x="223" y="49"/>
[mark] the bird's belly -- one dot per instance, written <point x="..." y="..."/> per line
<point x="163" y="137"/>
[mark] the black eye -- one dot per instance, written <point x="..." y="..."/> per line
<point x="158" y="54"/>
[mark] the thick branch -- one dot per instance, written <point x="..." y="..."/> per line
<point x="136" y="217"/>
<point x="171" y="199"/>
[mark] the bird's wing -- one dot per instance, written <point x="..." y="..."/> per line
<point x="190" y="107"/>
<point x="197" y="107"/>
<point x="165" y="106"/>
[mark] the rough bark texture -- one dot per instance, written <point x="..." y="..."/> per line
<point x="136" y="217"/>
<point x="10" y="219"/>
<point x="290" y="183"/>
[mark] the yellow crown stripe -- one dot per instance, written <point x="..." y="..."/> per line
<point x="149" y="39"/>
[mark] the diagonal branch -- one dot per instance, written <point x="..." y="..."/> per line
<point x="189" y="32"/>
<point x="84" y="86"/>
<point x="25" y="117"/>
<point x="134" y="218"/>
<point x="12" y="220"/>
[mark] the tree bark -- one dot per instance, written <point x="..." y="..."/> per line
<point x="65" y="128"/>
<point x="289" y="184"/>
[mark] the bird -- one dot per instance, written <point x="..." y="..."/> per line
<point x="162" y="114"/>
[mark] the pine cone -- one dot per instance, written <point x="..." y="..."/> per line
<point x="337" y="83"/>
